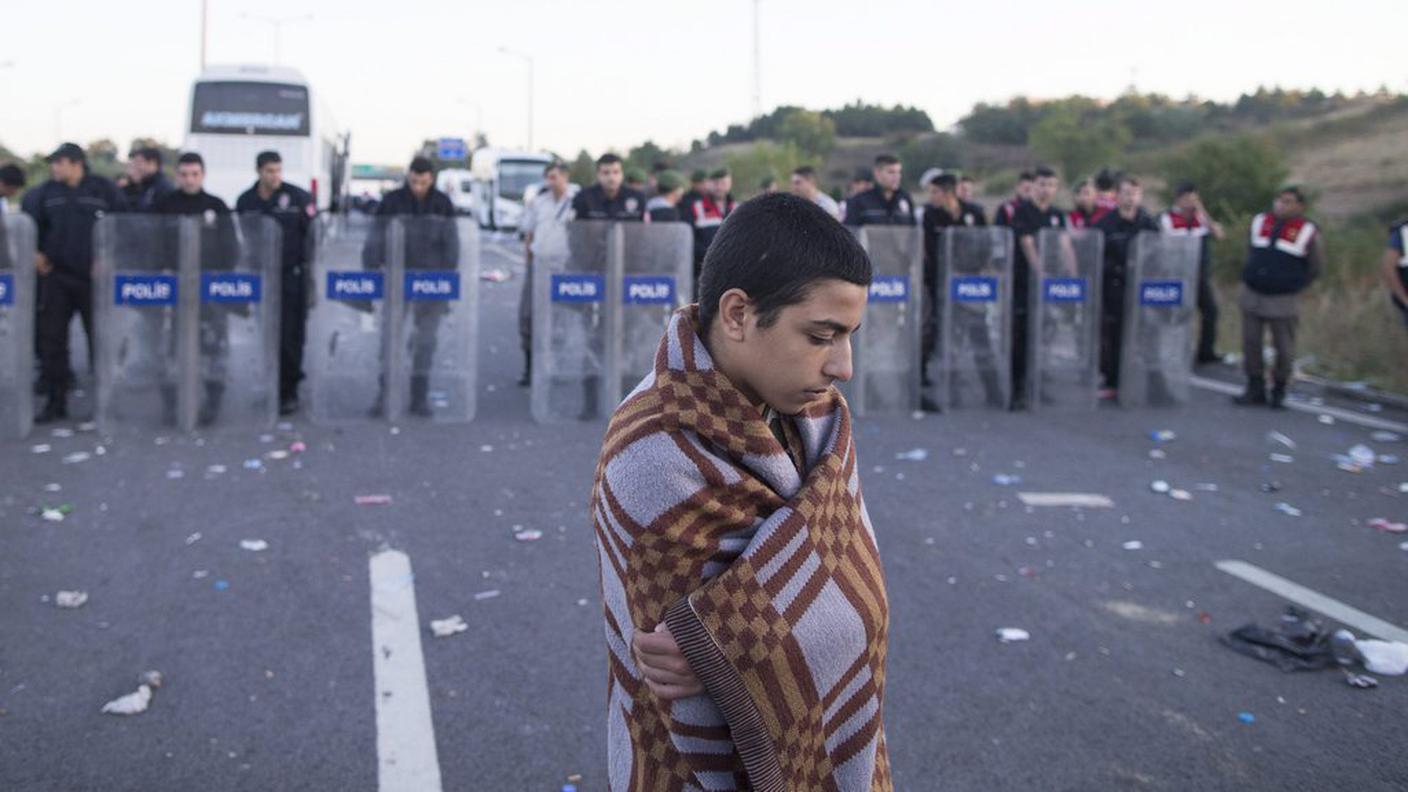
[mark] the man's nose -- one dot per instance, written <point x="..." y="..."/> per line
<point x="838" y="363"/>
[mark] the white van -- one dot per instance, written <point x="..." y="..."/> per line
<point x="238" y="111"/>
<point x="502" y="181"/>
<point x="457" y="183"/>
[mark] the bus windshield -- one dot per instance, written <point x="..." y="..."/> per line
<point x="249" y="108"/>
<point x="515" y="176"/>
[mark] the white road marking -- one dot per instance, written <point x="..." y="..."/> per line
<point x="1313" y="600"/>
<point x="1343" y="415"/>
<point x="405" y="733"/>
<point x="1081" y="499"/>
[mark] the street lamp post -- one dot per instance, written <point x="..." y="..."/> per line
<point x="529" y="59"/>
<point x="278" y="24"/>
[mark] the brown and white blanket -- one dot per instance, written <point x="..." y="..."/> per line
<point x="760" y="558"/>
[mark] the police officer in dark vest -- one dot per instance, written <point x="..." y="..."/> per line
<point x="144" y="184"/>
<point x="431" y="246"/>
<point x="884" y="204"/>
<point x="1120" y="228"/>
<point x="293" y="209"/>
<point x="219" y="250"/>
<point x="65" y="209"/>
<point x="1286" y="253"/>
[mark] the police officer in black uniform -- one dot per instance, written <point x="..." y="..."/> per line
<point x="64" y="209"/>
<point x="1027" y="221"/>
<point x="944" y="210"/>
<point x="608" y="199"/>
<point x="219" y="250"/>
<point x="429" y="245"/>
<point x="1120" y="227"/>
<point x="293" y="209"/>
<point x="884" y="204"/>
<point x="145" y="184"/>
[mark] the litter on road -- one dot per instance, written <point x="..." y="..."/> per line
<point x="443" y="628"/>
<point x="1385" y="437"/>
<point x="1389" y="658"/>
<point x="1006" y="479"/>
<point x="1284" y="459"/>
<point x="41" y="448"/>
<point x="1163" y="435"/>
<point x="1133" y="545"/>
<point x="1162" y="487"/>
<point x="1076" y="499"/>
<point x="913" y="455"/>
<point x="1277" y="437"/>
<point x="1287" y="509"/>
<point x="254" y="545"/>
<point x="136" y="702"/>
<point x="1012" y="635"/>
<point x="76" y="457"/>
<point x="1382" y="524"/>
<point x="528" y="535"/>
<point x="486" y="595"/>
<point x="71" y="599"/>
<point x="372" y="500"/>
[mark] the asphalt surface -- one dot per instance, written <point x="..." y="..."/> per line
<point x="268" y="660"/>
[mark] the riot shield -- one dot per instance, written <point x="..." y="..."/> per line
<point x="886" y="376"/>
<point x="1156" y="359"/>
<point x="1065" y="313"/>
<point x="656" y="277"/>
<point x="139" y="296"/>
<point x="975" y="266"/>
<point x="346" y="341"/>
<point x="17" y="241"/>
<point x="236" y="337"/>
<point x="570" y="303"/>
<point x="434" y="262"/>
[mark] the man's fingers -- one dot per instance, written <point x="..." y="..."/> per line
<point x="655" y="643"/>
<point x="673" y="692"/>
<point x="663" y="677"/>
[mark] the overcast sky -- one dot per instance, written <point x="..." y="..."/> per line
<point x="612" y="73"/>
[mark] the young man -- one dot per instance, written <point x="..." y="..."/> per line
<point x="966" y="187"/>
<point x="804" y="185"/>
<point x="1187" y="217"/>
<point x="729" y="476"/>
<point x="1031" y="217"/>
<point x="219" y="250"/>
<point x="1395" y="267"/>
<point x="698" y="184"/>
<point x="544" y="239"/>
<point x="12" y="180"/>
<point x="1022" y="193"/>
<point x="609" y="199"/>
<point x="886" y="203"/>
<point x="1107" y="186"/>
<point x="709" y="213"/>
<point x="1120" y="227"/>
<point x="664" y="207"/>
<point x="64" y="210"/>
<point x="293" y="208"/>
<point x="430" y="245"/>
<point x="1286" y="253"/>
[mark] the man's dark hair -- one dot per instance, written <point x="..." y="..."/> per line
<point x="659" y="166"/>
<point x="1026" y="176"/>
<point x="265" y="158"/>
<point x="151" y="154"/>
<point x="11" y="175"/>
<point x="607" y="159"/>
<point x="1045" y="173"/>
<point x="1293" y="189"/>
<point x="862" y="175"/>
<point x="805" y="171"/>
<point x="698" y="176"/>
<point x="422" y="165"/>
<point x="1127" y="179"/>
<point x="720" y="173"/>
<point x="191" y="158"/>
<point x="967" y="178"/>
<point x="1105" y="180"/>
<point x="556" y="165"/>
<point x="886" y="159"/>
<point x="945" y="181"/>
<point x="775" y="248"/>
<point x="1183" y="188"/>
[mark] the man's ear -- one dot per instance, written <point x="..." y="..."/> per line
<point x="735" y="309"/>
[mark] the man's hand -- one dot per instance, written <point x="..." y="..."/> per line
<point x="42" y="265"/>
<point x="666" y="671"/>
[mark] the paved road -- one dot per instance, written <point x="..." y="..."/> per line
<point x="268" y="656"/>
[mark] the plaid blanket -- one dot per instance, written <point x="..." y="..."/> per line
<point x="754" y="547"/>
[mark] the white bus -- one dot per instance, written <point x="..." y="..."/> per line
<point x="502" y="178"/>
<point x="238" y="111"/>
<point x="457" y="183"/>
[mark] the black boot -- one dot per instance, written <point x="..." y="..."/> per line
<point x="210" y="408"/>
<point x="1255" y="394"/>
<point x="168" y="405"/>
<point x="420" y="393"/>
<point x="55" y="409"/>
<point x="527" y="378"/>
<point x="1278" y="395"/>
<point x="590" y="398"/>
